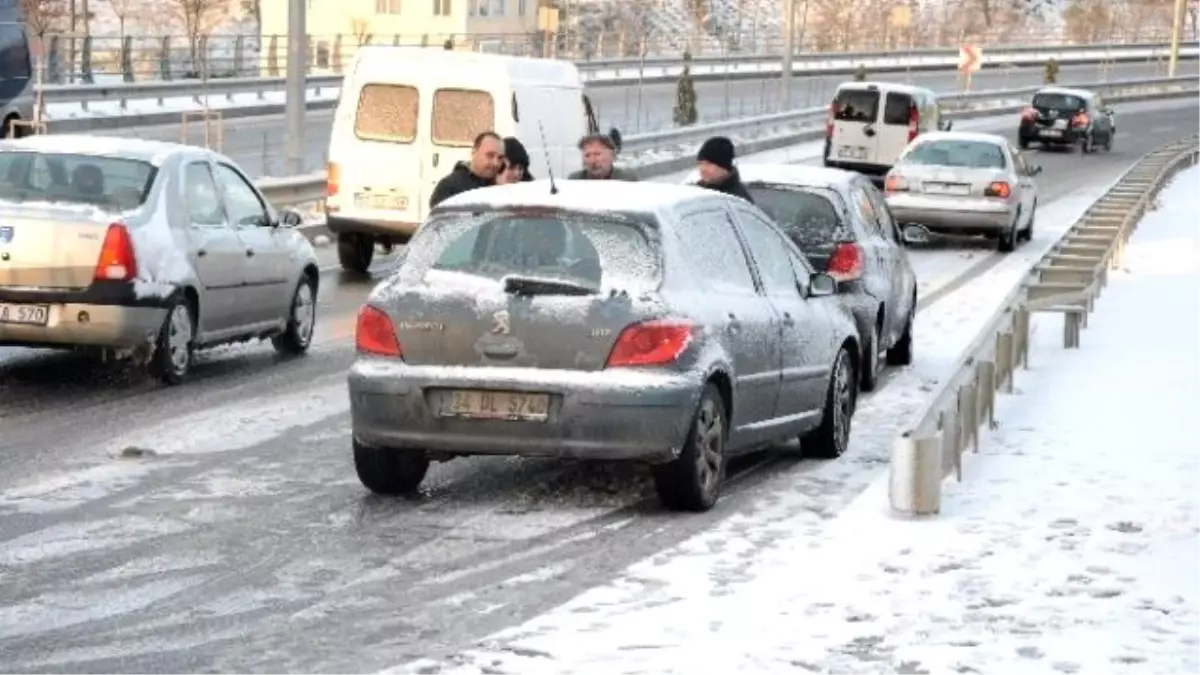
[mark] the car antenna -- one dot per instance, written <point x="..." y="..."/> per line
<point x="546" y="152"/>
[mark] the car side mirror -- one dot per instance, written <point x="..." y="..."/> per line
<point x="949" y="125"/>
<point x="821" y="284"/>
<point x="915" y="234"/>
<point x="614" y="134"/>
<point x="1035" y="169"/>
<point x="289" y="218"/>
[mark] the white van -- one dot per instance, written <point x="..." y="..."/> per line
<point x="871" y="123"/>
<point x="407" y="114"/>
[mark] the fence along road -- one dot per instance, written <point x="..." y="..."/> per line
<point x="258" y="143"/>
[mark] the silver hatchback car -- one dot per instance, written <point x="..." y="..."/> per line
<point x="610" y="320"/>
<point x="147" y="250"/>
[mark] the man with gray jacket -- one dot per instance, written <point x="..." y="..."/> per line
<point x="598" y="153"/>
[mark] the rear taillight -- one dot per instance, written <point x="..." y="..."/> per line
<point x="375" y="334"/>
<point x="895" y="184"/>
<point x="117" y="261"/>
<point x="1029" y="114"/>
<point x="1080" y="120"/>
<point x="333" y="178"/>
<point x="829" y="120"/>
<point x="998" y="189"/>
<point x="650" y="343"/>
<point x="846" y="263"/>
<point x="914" y="122"/>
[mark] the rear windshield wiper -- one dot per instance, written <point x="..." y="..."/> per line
<point x="519" y="285"/>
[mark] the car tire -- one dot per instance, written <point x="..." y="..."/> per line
<point x="872" y="364"/>
<point x="390" y="471"/>
<point x="692" y="481"/>
<point x="832" y="437"/>
<point x="1027" y="233"/>
<point x="1108" y="140"/>
<point x="901" y="353"/>
<point x="301" y="321"/>
<point x="1088" y="146"/>
<point x="1007" y="241"/>
<point x="355" y="252"/>
<point x="175" y="344"/>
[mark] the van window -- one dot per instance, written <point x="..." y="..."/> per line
<point x="459" y="115"/>
<point x="896" y="109"/>
<point x="856" y="105"/>
<point x="387" y="112"/>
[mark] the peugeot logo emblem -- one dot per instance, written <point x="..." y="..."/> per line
<point x="500" y="323"/>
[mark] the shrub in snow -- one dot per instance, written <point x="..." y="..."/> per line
<point x="685" y="113"/>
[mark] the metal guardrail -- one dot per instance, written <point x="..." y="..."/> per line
<point x="1067" y="280"/>
<point x="630" y="74"/>
<point x="311" y="187"/>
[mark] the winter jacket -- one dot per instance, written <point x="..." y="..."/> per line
<point x="732" y="185"/>
<point x="617" y="174"/>
<point x="459" y="180"/>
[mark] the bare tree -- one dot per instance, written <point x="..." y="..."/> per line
<point x="360" y="28"/>
<point x="41" y="17"/>
<point x="123" y="9"/>
<point x="199" y="17"/>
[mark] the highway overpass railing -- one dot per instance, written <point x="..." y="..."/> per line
<point x="1067" y="280"/>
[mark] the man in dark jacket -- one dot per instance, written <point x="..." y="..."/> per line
<point x="599" y="152"/>
<point x="717" y="172"/>
<point x="479" y="172"/>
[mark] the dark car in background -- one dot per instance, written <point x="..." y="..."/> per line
<point x="1065" y="117"/>
<point x="843" y="225"/>
<point x="609" y="320"/>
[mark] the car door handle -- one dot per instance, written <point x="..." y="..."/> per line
<point x="201" y="253"/>
<point x="734" y="324"/>
<point x="249" y="253"/>
<point x="788" y="320"/>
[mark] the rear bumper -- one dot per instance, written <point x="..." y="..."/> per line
<point x="621" y="415"/>
<point x="107" y="314"/>
<point x="964" y="214"/>
<point x="397" y="230"/>
<point x="1039" y="134"/>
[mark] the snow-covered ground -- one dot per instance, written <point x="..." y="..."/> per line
<point x="1071" y="546"/>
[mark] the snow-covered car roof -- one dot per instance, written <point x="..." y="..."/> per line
<point x="154" y="152"/>
<point x="582" y="195"/>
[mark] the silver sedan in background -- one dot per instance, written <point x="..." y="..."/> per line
<point x="147" y="250"/>
<point x="957" y="182"/>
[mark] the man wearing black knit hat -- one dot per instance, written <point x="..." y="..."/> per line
<point x="717" y="172"/>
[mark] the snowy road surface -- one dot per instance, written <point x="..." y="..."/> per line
<point x="257" y="143"/>
<point x="1060" y="553"/>
<point x="219" y="525"/>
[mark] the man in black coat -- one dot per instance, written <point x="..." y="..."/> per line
<point x="717" y="172"/>
<point x="487" y="154"/>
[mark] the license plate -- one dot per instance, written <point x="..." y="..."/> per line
<point x="31" y="315"/>
<point x="496" y="405"/>
<point x="851" y="152"/>
<point x="380" y="200"/>
<point x="947" y="189"/>
<point x="1052" y="133"/>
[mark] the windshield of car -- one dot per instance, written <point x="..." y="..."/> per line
<point x="598" y="252"/>
<point x="1058" y="102"/>
<point x="957" y="153"/>
<point x="808" y="215"/>
<point x="109" y="183"/>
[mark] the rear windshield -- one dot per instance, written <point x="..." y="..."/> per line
<point x="594" y="251"/>
<point x="808" y="215"/>
<point x="387" y="112"/>
<point x="109" y="183"/>
<point x="856" y="105"/>
<point x="967" y="154"/>
<point x="1058" y="102"/>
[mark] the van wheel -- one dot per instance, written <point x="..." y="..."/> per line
<point x="355" y="252"/>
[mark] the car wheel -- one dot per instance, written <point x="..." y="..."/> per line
<point x="1008" y="239"/>
<point x="1108" y="140"/>
<point x="1027" y="233"/>
<point x="831" y="439"/>
<point x="692" y="481"/>
<point x="872" y="364"/>
<point x="175" y="344"/>
<point x="302" y="320"/>
<point x="1088" y="146"/>
<point x="355" y="252"/>
<point x="901" y="353"/>
<point x="390" y="471"/>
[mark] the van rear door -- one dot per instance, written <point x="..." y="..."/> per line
<point x="901" y="119"/>
<point x="378" y="176"/>
<point x="855" y="110"/>
<point x="457" y="114"/>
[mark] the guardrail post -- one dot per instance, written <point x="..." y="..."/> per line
<point x="164" y="60"/>
<point x="53" y="72"/>
<point x="273" y="56"/>
<point x="915" y="476"/>
<point x="127" y="59"/>
<point x="1004" y="360"/>
<point x="86" y="75"/>
<point x="1021" y="328"/>
<point x="239" y="55"/>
